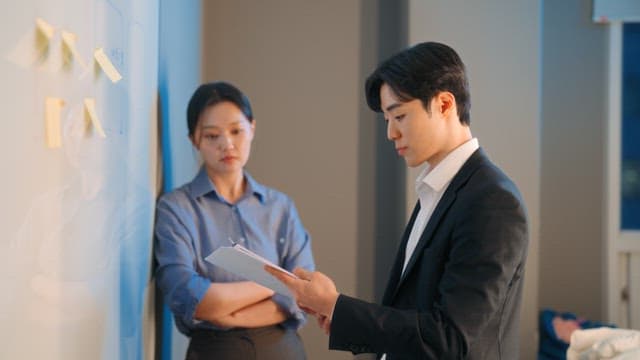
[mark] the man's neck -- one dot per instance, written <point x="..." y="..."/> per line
<point x="459" y="136"/>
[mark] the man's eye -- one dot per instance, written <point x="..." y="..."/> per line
<point x="211" y="136"/>
<point x="399" y="117"/>
<point x="236" y="131"/>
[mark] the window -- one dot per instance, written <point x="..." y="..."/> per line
<point x="630" y="132"/>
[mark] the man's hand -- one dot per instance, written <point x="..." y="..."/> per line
<point x="314" y="292"/>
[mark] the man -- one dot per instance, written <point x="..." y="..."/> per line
<point x="456" y="286"/>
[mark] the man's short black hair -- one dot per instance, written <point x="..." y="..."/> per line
<point x="421" y="72"/>
<point x="211" y="94"/>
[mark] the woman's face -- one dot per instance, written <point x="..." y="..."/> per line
<point x="223" y="137"/>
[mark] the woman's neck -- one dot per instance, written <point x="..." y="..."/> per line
<point x="229" y="186"/>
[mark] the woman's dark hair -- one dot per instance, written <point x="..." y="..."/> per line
<point x="421" y="72"/>
<point x="214" y="93"/>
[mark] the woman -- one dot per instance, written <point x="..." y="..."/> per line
<point x="225" y="316"/>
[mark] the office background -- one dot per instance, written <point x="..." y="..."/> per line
<point x="77" y="220"/>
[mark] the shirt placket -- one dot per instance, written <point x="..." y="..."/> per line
<point x="239" y="230"/>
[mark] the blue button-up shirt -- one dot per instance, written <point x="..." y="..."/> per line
<point x="193" y="220"/>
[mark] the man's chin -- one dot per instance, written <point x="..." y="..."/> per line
<point x="412" y="162"/>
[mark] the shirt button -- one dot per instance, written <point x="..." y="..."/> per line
<point x="281" y="240"/>
<point x="241" y="240"/>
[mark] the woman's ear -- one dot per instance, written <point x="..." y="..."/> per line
<point x="192" y="138"/>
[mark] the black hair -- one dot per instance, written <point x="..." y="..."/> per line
<point x="421" y="72"/>
<point x="211" y="94"/>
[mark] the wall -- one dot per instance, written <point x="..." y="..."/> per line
<point x="574" y="93"/>
<point x="76" y="219"/>
<point x="298" y="61"/>
<point x="499" y="41"/>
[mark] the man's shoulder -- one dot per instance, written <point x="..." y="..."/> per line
<point x="481" y="171"/>
<point x="486" y="180"/>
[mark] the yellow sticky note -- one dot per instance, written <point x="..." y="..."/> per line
<point x="45" y="28"/>
<point x="107" y="65"/>
<point x="53" y="108"/>
<point x="69" y="40"/>
<point x="90" y="108"/>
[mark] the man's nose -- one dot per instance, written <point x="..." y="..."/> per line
<point x="392" y="132"/>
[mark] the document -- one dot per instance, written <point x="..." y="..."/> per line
<point x="249" y="265"/>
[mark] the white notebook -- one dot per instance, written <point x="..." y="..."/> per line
<point x="249" y="265"/>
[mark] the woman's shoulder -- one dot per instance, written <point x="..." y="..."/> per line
<point x="273" y="197"/>
<point x="177" y="197"/>
<point x="268" y="193"/>
<point x="274" y="193"/>
<point x="280" y="202"/>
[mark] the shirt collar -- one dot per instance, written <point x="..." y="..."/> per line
<point x="202" y="185"/>
<point x="255" y="188"/>
<point x="438" y="177"/>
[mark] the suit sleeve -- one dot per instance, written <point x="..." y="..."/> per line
<point x="485" y="257"/>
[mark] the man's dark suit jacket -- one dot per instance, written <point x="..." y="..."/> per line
<point x="460" y="295"/>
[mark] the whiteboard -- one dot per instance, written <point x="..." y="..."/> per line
<point x="76" y="220"/>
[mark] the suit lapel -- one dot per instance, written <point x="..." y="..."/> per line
<point x="427" y="235"/>
<point x="396" y="270"/>
<point x="443" y="205"/>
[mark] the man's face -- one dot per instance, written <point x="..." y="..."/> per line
<point x="223" y="137"/>
<point x="418" y="135"/>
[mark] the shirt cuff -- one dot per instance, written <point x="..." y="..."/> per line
<point x="295" y="316"/>
<point x="187" y="299"/>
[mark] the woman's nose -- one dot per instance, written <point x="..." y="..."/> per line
<point x="226" y="143"/>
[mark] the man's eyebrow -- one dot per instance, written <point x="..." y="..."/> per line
<point x="393" y="106"/>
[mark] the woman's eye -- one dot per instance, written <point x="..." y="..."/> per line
<point x="236" y="131"/>
<point x="211" y="136"/>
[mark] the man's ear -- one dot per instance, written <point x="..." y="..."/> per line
<point x="446" y="104"/>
